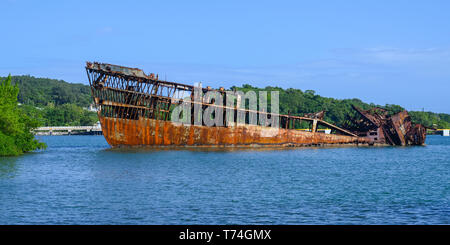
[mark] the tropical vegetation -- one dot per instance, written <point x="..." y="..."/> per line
<point x="16" y="137"/>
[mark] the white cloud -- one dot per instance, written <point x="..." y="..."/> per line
<point x="393" y="55"/>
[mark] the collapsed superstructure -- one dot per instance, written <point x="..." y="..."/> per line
<point x="135" y="109"/>
<point x="382" y="128"/>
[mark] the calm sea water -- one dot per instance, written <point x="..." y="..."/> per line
<point x="80" y="180"/>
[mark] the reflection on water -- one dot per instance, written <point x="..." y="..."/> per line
<point x="81" y="180"/>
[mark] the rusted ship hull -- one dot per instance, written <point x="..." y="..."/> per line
<point x="150" y="132"/>
<point x="135" y="109"/>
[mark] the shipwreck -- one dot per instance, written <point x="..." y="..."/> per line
<point x="382" y="128"/>
<point x="136" y="109"/>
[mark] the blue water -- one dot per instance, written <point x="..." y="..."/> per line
<point x="80" y="180"/>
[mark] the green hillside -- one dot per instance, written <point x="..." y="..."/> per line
<point x="42" y="91"/>
<point x="55" y="102"/>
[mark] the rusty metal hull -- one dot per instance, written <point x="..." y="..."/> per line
<point x="150" y="132"/>
<point x="135" y="110"/>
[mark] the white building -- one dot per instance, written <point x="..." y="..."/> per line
<point x="446" y="132"/>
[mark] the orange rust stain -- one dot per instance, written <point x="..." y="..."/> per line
<point x="166" y="136"/>
<point x="156" y="129"/>
<point x="144" y="131"/>
<point x="191" y="136"/>
<point x="147" y="126"/>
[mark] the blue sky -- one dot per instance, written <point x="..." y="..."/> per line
<point x="395" y="52"/>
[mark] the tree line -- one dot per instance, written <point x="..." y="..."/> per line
<point x="55" y="102"/>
